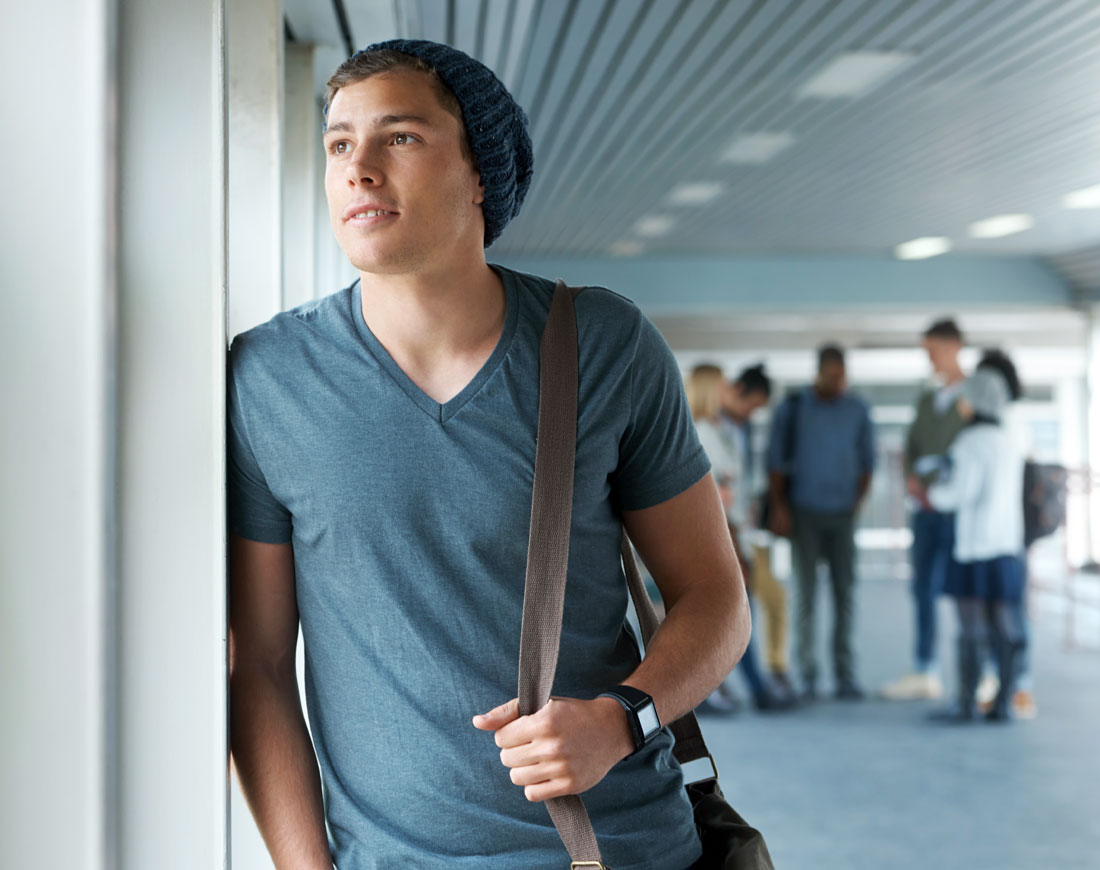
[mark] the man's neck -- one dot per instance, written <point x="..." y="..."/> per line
<point x="439" y="327"/>
<point x="952" y="377"/>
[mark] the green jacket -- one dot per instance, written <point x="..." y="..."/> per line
<point x="931" y="433"/>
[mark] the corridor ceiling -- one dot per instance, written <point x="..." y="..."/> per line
<point x="990" y="107"/>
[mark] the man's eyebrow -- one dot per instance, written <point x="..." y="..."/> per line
<point x="380" y="121"/>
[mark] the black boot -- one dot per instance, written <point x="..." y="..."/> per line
<point x="970" y="672"/>
<point x="1008" y="654"/>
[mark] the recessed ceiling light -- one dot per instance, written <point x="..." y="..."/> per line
<point x="625" y="248"/>
<point x="757" y="147"/>
<point x="654" y="225"/>
<point x="697" y="193"/>
<point x="922" y="248"/>
<point x="1086" y="197"/>
<point x="855" y="73"/>
<point x="1001" y="225"/>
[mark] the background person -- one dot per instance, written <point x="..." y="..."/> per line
<point x="820" y="461"/>
<point x="983" y="484"/>
<point x="740" y="400"/>
<point x="935" y="426"/>
<point x="705" y="387"/>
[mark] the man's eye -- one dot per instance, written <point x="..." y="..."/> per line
<point x="340" y="148"/>
<point x="403" y="138"/>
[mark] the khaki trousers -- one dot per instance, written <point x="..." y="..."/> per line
<point x="773" y="598"/>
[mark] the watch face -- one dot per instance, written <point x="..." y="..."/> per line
<point x="647" y="718"/>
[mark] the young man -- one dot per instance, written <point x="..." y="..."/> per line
<point x="382" y="447"/>
<point x="820" y="461"/>
<point x="932" y="432"/>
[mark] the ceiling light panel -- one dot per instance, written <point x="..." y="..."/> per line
<point x="757" y="147"/>
<point x="696" y="193"/>
<point x="1086" y="197"/>
<point x="625" y="248"/>
<point x="654" y="225"/>
<point x="1001" y="225"/>
<point x="855" y="74"/>
<point x="923" y="248"/>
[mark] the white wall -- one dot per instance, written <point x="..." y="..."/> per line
<point x="111" y="466"/>
<point x="171" y="436"/>
<point x="58" y="805"/>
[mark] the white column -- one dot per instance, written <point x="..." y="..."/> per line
<point x="255" y="79"/>
<point x="56" y="352"/>
<point x="1092" y="428"/>
<point x="170" y="430"/>
<point x="300" y="177"/>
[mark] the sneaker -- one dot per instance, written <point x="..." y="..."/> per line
<point x="1023" y="705"/>
<point x="849" y="690"/>
<point x="987" y="691"/>
<point x="720" y="702"/>
<point x="783" y="685"/>
<point x="913" y="687"/>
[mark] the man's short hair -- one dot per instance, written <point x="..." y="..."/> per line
<point x="829" y="353"/>
<point x="945" y="329"/>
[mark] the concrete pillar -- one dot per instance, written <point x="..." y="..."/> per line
<point x="170" y="435"/>
<point x="255" y="93"/>
<point x="57" y="345"/>
<point x="302" y="124"/>
<point x="1092" y="431"/>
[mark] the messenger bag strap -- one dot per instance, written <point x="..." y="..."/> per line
<point x="548" y="548"/>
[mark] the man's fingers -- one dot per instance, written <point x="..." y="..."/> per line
<point x="498" y="717"/>
<point x="533" y="774"/>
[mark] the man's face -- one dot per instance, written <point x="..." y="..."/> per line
<point x="739" y="404"/>
<point x="832" y="379"/>
<point x="402" y="196"/>
<point x="943" y="354"/>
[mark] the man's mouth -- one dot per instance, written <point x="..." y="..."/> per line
<point x="371" y="212"/>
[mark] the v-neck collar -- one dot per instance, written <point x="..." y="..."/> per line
<point x="441" y="412"/>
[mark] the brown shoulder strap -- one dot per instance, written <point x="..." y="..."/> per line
<point x="548" y="560"/>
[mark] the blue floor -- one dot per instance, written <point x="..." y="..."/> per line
<point x="876" y="785"/>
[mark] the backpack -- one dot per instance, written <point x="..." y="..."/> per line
<point x="1045" y="490"/>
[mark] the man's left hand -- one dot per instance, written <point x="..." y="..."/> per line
<point x="565" y="748"/>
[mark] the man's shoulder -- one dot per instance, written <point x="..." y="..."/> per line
<point x="295" y="327"/>
<point x="599" y="310"/>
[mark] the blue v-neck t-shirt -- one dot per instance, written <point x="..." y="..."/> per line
<point x="409" y="521"/>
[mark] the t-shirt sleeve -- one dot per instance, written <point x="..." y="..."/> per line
<point x="253" y="511"/>
<point x="659" y="453"/>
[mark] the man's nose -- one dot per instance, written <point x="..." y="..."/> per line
<point x="364" y="168"/>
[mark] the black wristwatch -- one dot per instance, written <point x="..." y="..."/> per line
<point x="640" y="713"/>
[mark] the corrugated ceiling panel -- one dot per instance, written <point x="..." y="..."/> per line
<point x="628" y="98"/>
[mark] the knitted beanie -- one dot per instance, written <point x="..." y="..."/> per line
<point x="495" y="125"/>
<point x="987" y="393"/>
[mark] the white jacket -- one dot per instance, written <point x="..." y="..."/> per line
<point x="985" y="489"/>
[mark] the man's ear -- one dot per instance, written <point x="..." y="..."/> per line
<point x="479" y="195"/>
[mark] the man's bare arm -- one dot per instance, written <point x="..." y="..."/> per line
<point x="686" y="545"/>
<point x="570" y="745"/>
<point x="271" y="749"/>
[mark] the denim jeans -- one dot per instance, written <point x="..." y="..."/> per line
<point x="933" y="539"/>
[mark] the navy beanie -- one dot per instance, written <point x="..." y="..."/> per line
<point x="495" y="124"/>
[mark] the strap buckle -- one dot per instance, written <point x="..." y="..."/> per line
<point x="596" y="865"/>
<point x="713" y="774"/>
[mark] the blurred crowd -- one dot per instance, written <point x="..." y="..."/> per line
<point x="965" y="464"/>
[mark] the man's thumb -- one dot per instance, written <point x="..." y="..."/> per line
<point x="498" y="717"/>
